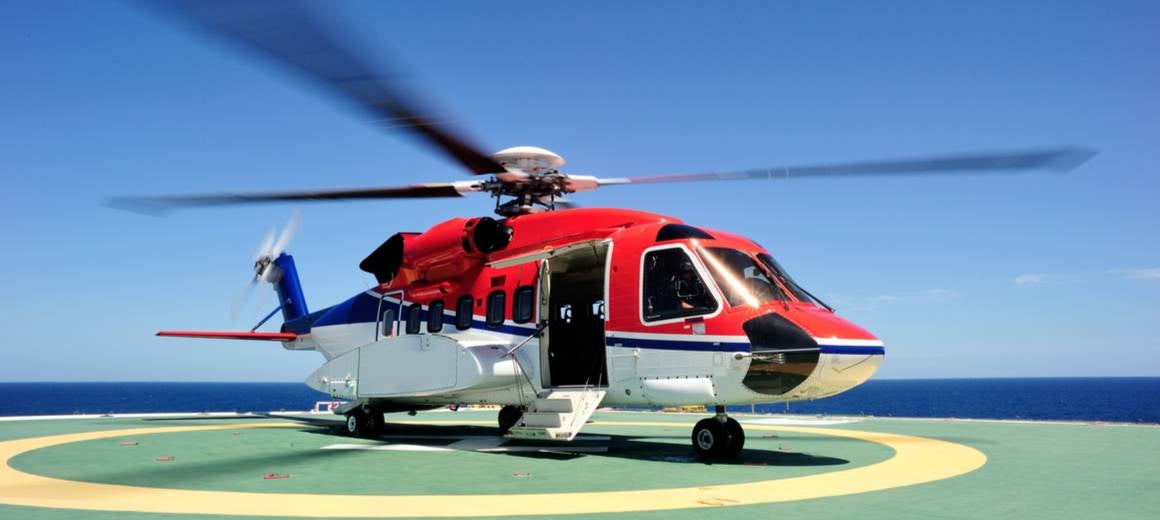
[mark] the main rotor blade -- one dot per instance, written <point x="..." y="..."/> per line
<point x="154" y="205"/>
<point x="1061" y="159"/>
<point x="286" y="32"/>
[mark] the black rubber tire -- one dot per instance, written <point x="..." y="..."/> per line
<point x="508" y="417"/>
<point x="373" y="424"/>
<point x="711" y="439"/>
<point x="736" y="436"/>
<point x="355" y="423"/>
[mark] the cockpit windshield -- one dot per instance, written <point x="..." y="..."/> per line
<point x="793" y="287"/>
<point x="741" y="279"/>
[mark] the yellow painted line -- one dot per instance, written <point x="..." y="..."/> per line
<point x="916" y="460"/>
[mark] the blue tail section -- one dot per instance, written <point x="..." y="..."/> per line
<point x="290" y="289"/>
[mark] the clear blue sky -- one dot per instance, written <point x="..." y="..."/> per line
<point x="965" y="276"/>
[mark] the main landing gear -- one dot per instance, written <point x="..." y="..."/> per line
<point x="718" y="437"/>
<point x="364" y="422"/>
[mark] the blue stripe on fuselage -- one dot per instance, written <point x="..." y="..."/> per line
<point x="664" y="344"/>
<point x="661" y="344"/>
<point x="364" y="308"/>
<point x="853" y="350"/>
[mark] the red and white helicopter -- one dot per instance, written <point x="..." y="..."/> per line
<point x="550" y="310"/>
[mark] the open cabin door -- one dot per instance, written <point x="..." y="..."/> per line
<point x="572" y="304"/>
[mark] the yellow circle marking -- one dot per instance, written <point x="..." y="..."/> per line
<point x="916" y="460"/>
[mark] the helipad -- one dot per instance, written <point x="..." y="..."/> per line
<point x="453" y="464"/>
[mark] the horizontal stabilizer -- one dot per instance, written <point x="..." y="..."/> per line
<point x="260" y="336"/>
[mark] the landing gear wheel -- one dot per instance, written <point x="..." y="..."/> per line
<point x="355" y="423"/>
<point x="737" y="436"/>
<point x="363" y="423"/>
<point x="373" y="425"/>
<point x="712" y="440"/>
<point x="508" y="416"/>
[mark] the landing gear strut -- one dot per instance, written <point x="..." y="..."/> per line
<point x="718" y="437"/>
<point x="364" y="422"/>
<point x="508" y="416"/>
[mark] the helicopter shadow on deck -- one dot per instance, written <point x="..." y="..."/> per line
<point x="667" y="446"/>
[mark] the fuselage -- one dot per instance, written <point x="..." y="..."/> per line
<point x="654" y="311"/>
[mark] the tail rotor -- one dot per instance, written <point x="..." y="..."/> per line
<point x="265" y="269"/>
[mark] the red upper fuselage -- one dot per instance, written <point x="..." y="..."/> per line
<point x="440" y="264"/>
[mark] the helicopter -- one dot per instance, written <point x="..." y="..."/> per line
<point x="550" y="310"/>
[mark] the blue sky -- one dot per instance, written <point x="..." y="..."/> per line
<point x="962" y="276"/>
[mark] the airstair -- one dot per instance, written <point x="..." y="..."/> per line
<point x="559" y="415"/>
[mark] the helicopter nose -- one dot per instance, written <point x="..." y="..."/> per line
<point x="810" y="357"/>
<point x="783" y="355"/>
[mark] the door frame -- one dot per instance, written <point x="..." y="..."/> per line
<point x="545" y="309"/>
<point x="384" y="306"/>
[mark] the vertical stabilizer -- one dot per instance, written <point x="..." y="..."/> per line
<point x="289" y="289"/>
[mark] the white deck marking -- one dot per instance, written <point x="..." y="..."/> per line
<point x="789" y="421"/>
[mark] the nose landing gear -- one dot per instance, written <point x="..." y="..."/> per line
<point x="718" y="437"/>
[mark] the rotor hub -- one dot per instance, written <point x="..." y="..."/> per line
<point x="529" y="159"/>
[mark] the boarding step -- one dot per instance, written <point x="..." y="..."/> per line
<point x="553" y="405"/>
<point x="558" y="415"/>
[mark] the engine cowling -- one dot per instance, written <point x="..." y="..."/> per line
<point x="444" y="251"/>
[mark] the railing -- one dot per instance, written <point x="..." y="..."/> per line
<point x="514" y="353"/>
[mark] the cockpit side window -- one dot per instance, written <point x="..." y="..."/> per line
<point x="672" y="287"/>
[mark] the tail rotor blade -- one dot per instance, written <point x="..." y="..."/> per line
<point x="287" y="234"/>
<point x="262" y="302"/>
<point x="265" y="246"/>
<point x="239" y="301"/>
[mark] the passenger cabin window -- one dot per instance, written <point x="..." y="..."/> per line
<point x="495" y="308"/>
<point x="463" y="312"/>
<point x="672" y="286"/>
<point x="435" y="316"/>
<point x="522" y="302"/>
<point x="414" y="318"/>
<point x="388" y="323"/>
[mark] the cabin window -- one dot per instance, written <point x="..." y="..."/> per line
<point x="673" y="288"/>
<point x="435" y="316"/>
<point x="522" y="302"/>
<point x="414" y="318"/>
<point x="495" y="308"/>
<point x="388" y="322"/>
<point x="463" y="312"/>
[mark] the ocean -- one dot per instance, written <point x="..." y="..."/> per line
<point x="1134" y="400"/>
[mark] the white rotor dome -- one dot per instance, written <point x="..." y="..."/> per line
<point x="531" y="159"/>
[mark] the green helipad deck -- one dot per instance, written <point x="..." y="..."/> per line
<point x="636" y="465"/>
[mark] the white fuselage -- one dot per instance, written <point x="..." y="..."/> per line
<point x="479" y="365"/>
